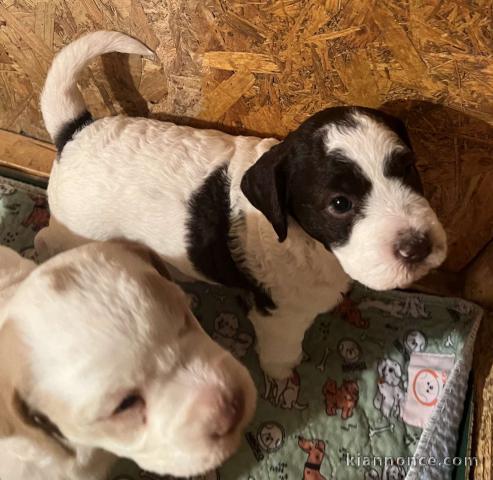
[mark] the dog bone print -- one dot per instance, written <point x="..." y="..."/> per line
<point x="378" y="431"/>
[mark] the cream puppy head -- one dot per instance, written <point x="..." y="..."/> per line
<point x="106" y="348"/>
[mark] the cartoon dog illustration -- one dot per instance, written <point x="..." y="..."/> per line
<point x="227" y="334"/>
<point x="393" y="472"/>
<point x="39" y="216"/>
<point x="270" y="436"/>
<point x="316" y="453"/>
<point x="6" y="190"/>
<point x="349" y="350"/>
<point x="390" y="472"/>
<point x="351" y="313"/>
<point x="463" y="307"/>
<point x="344" y="398"/>
<point x="372" y="474"/>
<point x="390" y="395"/>
<point x="284" y="393"/>
<point x="412" y="306"/>
<point x="414" y="341"/>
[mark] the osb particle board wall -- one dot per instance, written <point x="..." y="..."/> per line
<point x="263" y="66"/>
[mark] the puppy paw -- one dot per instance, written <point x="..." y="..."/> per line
<point x="277" y="371"/>
<point x="40" y="244"/>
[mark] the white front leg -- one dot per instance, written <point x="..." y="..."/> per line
<point x="279" y="340"/>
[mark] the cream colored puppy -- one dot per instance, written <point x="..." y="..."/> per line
<point x="100" y="357"/>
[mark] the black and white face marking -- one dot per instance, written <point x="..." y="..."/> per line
<point x="400" y="165"/>
<point x="327" y="198"/>
<point x="347" y="176"/>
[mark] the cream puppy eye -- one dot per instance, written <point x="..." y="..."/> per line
<point x="129" y="402"/>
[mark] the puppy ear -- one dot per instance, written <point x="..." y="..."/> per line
<point x="146" y="254"/>
<point x="13" y="269"/>
<point x="265" y="186"/>
<point x="158" y="264"/>
<point x="398" y="370"/>
<point x="397" y="125"/>
<point x="23" y="440"/>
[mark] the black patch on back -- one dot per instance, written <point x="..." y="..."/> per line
<point x="71" y="128"/>
<point x="209" y="240"/>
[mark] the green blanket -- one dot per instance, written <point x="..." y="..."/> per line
<point x="340" y="414"/>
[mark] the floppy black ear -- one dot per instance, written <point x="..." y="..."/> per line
<point x="397" y="125"/>
<point x="265" y="186"/>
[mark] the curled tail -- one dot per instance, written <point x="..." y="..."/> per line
<point x="63" y="108"/>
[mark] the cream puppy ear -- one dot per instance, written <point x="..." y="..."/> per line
<point x="146" y="254"/>
<point x="24" y="437"/>
<point x="27" y="435"/>
<point x="13" y="269"/>
<point x="32" y="447"/>
<point x="29" y="443"/>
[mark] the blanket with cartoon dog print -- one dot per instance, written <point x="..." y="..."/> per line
<point x="379" y="392"/>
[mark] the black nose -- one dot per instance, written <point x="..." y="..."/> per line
<point x="413" y="247"/>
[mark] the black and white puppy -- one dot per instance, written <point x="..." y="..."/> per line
<point x="290" y="221"/>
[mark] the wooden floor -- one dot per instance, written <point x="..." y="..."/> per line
<point x="26" y="154"/>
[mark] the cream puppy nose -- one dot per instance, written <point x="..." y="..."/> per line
<point x="229" y="409"/>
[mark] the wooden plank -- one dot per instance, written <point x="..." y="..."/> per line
<point x="26" y="154"/>
<point x="483" y="398"/>
<point x="356" y="73"/>
<point x="254" y="62"/>
<point x="13" y="23"/>
<point x="397" y="40"/>
<point x="227" y="93"/>
<point x="45" y="21"/>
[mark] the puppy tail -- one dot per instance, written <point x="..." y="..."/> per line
<point x="63" y="108"/>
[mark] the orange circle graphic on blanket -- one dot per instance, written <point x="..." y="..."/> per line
<point x="426" y="387"/>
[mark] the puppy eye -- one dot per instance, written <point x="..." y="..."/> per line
<point x="341" y="204"/>
<point x="129" y="402"/>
